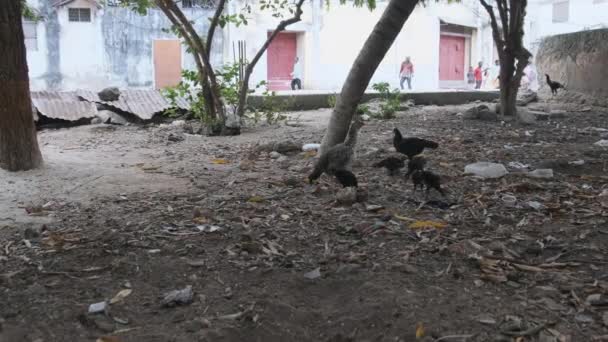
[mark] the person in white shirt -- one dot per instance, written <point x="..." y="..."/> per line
<point x="296" y="75"/>
<point x="532" y="76"/>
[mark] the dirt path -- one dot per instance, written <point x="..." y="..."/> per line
<point x="144" y="211"/>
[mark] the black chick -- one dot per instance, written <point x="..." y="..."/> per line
<point x="431" y="180"/>
<point x="346" y="178"/>
<point x="554" y="85"/>
<point x="392" y="164"/>
<point x="417" y="163"/>
<point x="411" y="146"/>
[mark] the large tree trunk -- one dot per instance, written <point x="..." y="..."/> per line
<point x="375" y="48"/>
<point x="18" y="142"/>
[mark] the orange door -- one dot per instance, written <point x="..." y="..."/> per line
<point x="167" y="63"/>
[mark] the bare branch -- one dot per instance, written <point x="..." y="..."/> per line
<point x="500" y="44"/>
<point x="280" y="27"/>
<point x="213" y="25"/>
<point x="200" y="47"/>
<point x="503" y="12"/>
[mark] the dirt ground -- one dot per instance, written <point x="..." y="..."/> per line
<point x="127" y="214"/>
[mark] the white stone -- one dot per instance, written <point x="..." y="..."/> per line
<point x="486" y="170"/>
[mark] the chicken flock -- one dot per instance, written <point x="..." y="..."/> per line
<point x="337" y="161"/>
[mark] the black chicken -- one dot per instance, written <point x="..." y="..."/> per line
<point x="346" y="178"/>
<point x="392" y="164"/>
<point x="338" y="157"/>
<point x="431" y="180"/>
<point x="417" y="163"/>
<point x="554" y="85"/>
<point x="411" y="146"/>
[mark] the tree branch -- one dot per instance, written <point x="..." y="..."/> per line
<point x="200" y="47"/>
<point x="249" y="69"/>
<point x="500" y="44"/>
<point x="503" y="11"/>
<point x="214" y="22"/>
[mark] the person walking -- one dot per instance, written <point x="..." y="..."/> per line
<point x="478" y="75"/>
<point x="406" y="73"/>
<point x="296" y="75"/>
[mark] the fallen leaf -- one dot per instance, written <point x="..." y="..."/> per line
<point x="427" y="224"/>
<point x="120" y="296"/>
<point x="219" y="161"/>
<point x="200" y="220"/>
<point x="108" y="339"/>
<point x="420" y="331"/>
<point x="256" y="199"/>
<point x="310" y="154"/>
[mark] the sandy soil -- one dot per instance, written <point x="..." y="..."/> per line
<point x="142" y="211"/>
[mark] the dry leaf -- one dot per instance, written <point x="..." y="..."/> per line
<point x="420" y="331"/>
<point x="427" y="224"/>
<point x="256" y="199"/>
<point x="310" y="154"/>
<point x="120" y="296"/>
<point x="219" y="161"/>
<point x="108" y="339"/>
<point x="200" y="220"/>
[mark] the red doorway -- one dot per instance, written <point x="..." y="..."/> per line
<point x="281" y="54"/>
<point x="451" y="58"/>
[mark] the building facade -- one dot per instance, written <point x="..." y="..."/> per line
<point x="86" y="44"/>
<point x="552" y="17"/>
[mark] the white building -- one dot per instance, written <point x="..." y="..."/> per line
<point x="82" y="44"/>
<point x="552" y="17"/>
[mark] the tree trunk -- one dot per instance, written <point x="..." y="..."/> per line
<point x="18" y="141"/>
<point x="375" y="48"/>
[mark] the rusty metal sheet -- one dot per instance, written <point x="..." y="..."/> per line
<point x="65" y="110"/>
<point x="141" y="103"/>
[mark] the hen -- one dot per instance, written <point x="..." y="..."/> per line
<point x="346" y="178"/>
<point x="411" y="146"/>
<point x="417" y="163"/>
<point x="392" y="164"/>
<point x="338" y="157"/>
<point x="554" y="85"/>
<point x="431" y="180"/>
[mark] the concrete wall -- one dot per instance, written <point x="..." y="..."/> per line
<point x="579" y="60"/>
<point x="583" y="15"/>
<point x="315" y="101"/>
<point x="114" y="49"/>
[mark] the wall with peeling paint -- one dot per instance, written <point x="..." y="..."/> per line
<point x="114" y="49"/>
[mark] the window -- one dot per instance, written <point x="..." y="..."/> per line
<point x="30" y="33"/>
<point x="79" y="14"/>
<point x="561" y="11"/>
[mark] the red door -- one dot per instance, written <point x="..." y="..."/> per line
<point x="451" y="58"/>
<point x="281" y="54"/>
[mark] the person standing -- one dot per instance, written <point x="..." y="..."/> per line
<point x="494" y="76"/>
<point x="478" y="75"/>
<point x="406" y="73"/>
<point x="471" y="78"/>
<point x="531" y="74"/>
<point x="296" y="75"/>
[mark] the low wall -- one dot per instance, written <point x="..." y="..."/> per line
<point x="315" y="101"/>
<point x="578" y="60"/>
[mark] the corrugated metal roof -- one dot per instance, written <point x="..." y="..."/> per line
<point x="65" y="110"/>
<point x="72" y="106"/>
<point x="142" y="103"/>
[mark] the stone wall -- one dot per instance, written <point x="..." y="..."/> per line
<point x="578" y="60"/>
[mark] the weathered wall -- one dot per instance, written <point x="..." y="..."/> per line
<point x="578" y="60"/>
<point x="114" y="49"/>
